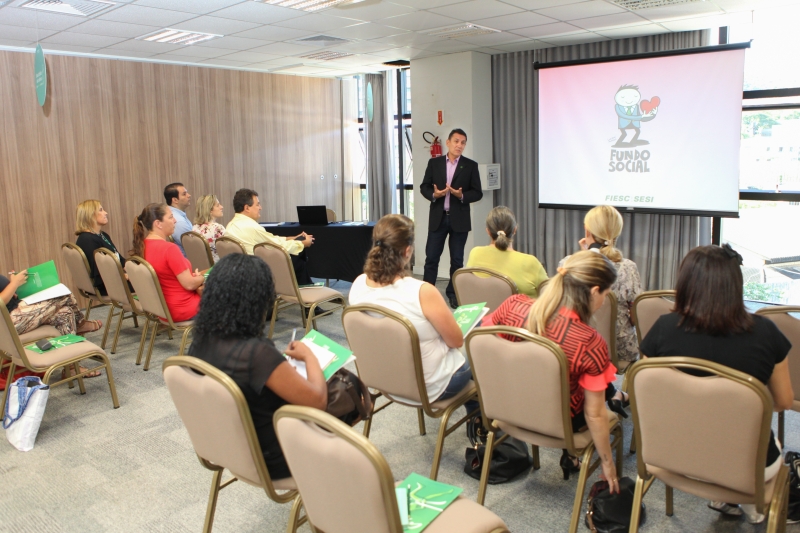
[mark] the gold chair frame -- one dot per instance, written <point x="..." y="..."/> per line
<point x="131" y="302"/>
<point x="208" y="370"/>
<point x="644" y="480"/>
<point x="611" y="338"/>
<point x="96" y="297"/>
<point x="645" y="296"/>
<point x="209" y="255"/>
<point x="587" y="466"/>
<point x="426" y="409"/>
<point x="227" y="238"/>
<point x="489" y="273"/>
<point x="169" y="326"/>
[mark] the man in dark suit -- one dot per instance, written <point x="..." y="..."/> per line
<point x="451" y="183"/>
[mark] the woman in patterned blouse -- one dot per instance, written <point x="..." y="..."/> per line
<point x="208" y="211"/>
<point x="561" y="313"/>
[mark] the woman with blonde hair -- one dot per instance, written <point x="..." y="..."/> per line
<point x="603" y="226"/>
<point x="386" y="281"/>
<point x="561" y="314"/>
<point x="90" y="219"/>
<point x="525" y="270"/>
<point x="207" y="213"/>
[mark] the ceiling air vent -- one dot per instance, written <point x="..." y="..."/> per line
<point x="397" y="63"/>
<point x="644" y="4"/>
<point x="172" y="36"/>
<point x="326" y="56"/>
<point x="327" y="40"/>
<point x="305" y="5"/>
<point x="461" y="30"/>
<point x="84" y="8"/>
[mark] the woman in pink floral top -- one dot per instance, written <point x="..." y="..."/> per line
<point x="208" y="211"/>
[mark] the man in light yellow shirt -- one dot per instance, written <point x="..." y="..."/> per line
<point x="244" y="227"/>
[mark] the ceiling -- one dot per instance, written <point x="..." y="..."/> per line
<point x="262" y="37"/>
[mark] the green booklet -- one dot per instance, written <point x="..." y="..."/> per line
<point x="426" y="500"/>
<point x="470" y="315"/>
<point x="331" y="355"/>
<point x="57" y="342"/>
<point x="207" y="272"/>
<point x="40" y="277"/>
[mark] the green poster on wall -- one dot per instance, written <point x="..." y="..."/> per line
<point x="369" y="101"/>
<point x="40" y="75"/>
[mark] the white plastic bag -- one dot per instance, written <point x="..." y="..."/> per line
<point x="27" y="398"/>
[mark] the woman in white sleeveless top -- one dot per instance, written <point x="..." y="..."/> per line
<point x="387" y="282"/>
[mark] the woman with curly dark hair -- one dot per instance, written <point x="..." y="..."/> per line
<point x="229" y="334"/>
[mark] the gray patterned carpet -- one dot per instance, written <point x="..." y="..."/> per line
<point x="133" y="469"/>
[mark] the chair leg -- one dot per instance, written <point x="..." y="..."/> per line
<point x="184" y="339"/>
<point x="89" y="308"/>
<point x="294" y="515"/>
<point x="488" y="450"/>
<point x="668" y="498"/>
<point x="142" y="340"/>
<point x="111" y="385"/>
<point x="779" y="505"/>
<point x="367" y="427"/>
<point x="212" y="501"/>
<point x="437" y="453"/>
<point x="581" y="488"/>
<point x="135" y="321"/>
<point x="421" y="418"/>
<point x="781" y="415"/>
<point x="619" y="437"/>
<point x="119" y="327"/>
<point x="81" y="385"/>
<point x="274" y="317"/>
<point x="311" y="322"/>
<point x="11" y="371"/>
<point x="108" y="325"/>
<point x="535" y="453"/>
<point x="150" y="347"/>
<point x="638" y="494"/>
<point x="169" y="334"/>
<point x="633" y="442"/>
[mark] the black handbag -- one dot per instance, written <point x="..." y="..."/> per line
<point x="349" y="399"/>
<point x="611" y="513"/>
<point x="509" y="459"/>
<point x="793" y="514"/>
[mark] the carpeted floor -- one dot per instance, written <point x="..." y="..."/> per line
<point x="133" y="469"/>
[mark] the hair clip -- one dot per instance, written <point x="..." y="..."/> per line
<point x="605" y="243"/>
<point x="378" y="243"/>
<point x="562" y="271"/>
<point x="732" y="254"/>
<point x="501" y="232"/>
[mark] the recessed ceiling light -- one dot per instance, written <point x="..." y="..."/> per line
<point x="173" y="36"/>
<point x="305" y="5"/>
<point x="644" y="4"/>
<point x="461" y="30"/>
<point x="84" y="8"/>
<point x="326" y="56"/>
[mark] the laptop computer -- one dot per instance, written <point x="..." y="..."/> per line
<point x="312" y="215"/>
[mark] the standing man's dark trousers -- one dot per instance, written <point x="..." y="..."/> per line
<point x="434" y="248"/>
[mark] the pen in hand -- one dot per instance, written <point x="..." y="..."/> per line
<point x="294" y="334"/>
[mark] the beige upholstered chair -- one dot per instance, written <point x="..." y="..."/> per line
<point x="79" y="268"/>
<point x="789" y="326"/>
<point x="707" y="436"/>
<point x="148" y="290"/>
<point x="388" y="359"/>
<point x="334" y="467"/>
<point x="11" y="348"/>
<point x="331" y="215"/>
<point x="647" y="307"/>
<point x="289" y="294"/>
<point x="228" y="245"/>
<point x="475" y="285"/>
<point x="217" y="418"/>
<point x="511" y="377"/>
<point x="604" y="321"/>
<point x="197" y="250"/>
<point x="110" y="270"/>
<point x="29" y="337"/>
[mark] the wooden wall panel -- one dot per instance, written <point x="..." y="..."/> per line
<point x="119" y="131"/>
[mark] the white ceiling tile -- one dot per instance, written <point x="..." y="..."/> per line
<point x="123" y="53"/>
<point x="633" y="31"/>
<point x="559" y="28"/>
<point x="200" y="51"/>
<point x="369" y="11"/>
<point x="362" y="47"/>
<point x="580" y="38"/>
<point x="367" y="30"/>
<point x="28" y="18"/>
<point x="476" y="9"/>
<point x="305" y="69"/>
<point x="425" y="4"/>
<point x="594" y="8"/>
<point x="217" y="25"/>
<point x="714" y="21"/>
<point x="409" y="38"/>
<point x="113" y="29"/>
<point x="447" y="46"/>
<point x="259" y="12"/>
<point x="405" y="52"/>
<point x="286" y="49"/>
<point x="492" y="39"/>
<point x="419" y="21"/>
<point x="234" y="43"/>
<point x="274" y="63"/>
<point x="525" y="19"/>
<point x="250" y="57"/>
<point x="175" y="58"/>
<point x="135" y="45"/>
<point x="539" y="4"/>
<point x="223" y="62"/>
<point x="83" y="39"/>
<point x="14" y="42"/>
<point x="19" y="33"/>
<point x="148" y="16"/>
<point x="522" y="46"/>
<point x="189" y="6"/>
<point x="275" y="33"/>
<point x="67" y="48"/>
<point x="489" y="51"/>
<point x="690" y="9"/>
<point x="609" y="21"/>
<point x="318" y="23"/>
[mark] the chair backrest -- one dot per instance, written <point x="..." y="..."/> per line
<point x="790" y="327"/>
<point x="228" y="245"/>
<point x="386" y="346"/>
<point x="79" y="268"/>
<point x="333" y="467"/>
<point x="197" y="250"/>
<point x="10" y="344"/>
<point x="217" y="418"/>
<point x="524" y="383"/>
<point x="647" y="307"/>
<point x="280" y="264"/>
<point x="331" y="215"/>
<point x="475" y="285"/>
<point x="604" y="320"/>
<point x="110" y="270"/>
<point x="714" y="429"/>
<point x="148" y="289"/>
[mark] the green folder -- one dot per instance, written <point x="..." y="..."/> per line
<point x="341" y="354"/>
<point x="40" y="277"/>
<point x="58" y="342"/>
<point x="468" y="316"/>
<point x="207" y="272"/>
<point x="427" y="500"/>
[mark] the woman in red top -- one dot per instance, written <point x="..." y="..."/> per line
<point x="181" y="286"/>
<point x="562" y="313"/>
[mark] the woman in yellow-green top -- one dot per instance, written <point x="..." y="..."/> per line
<point x="526" y="271"/>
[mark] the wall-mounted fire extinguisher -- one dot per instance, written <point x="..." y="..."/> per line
<point x="436" y="145"/>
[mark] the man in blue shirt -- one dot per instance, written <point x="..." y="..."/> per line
<point x="178" y="198"/>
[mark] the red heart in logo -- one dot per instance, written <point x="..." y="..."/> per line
<point x="649" y="105"/>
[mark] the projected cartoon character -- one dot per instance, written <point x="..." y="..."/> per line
<point x="631" y="112"/>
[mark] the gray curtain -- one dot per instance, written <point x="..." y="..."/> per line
<point x="655" y="242"/>
<point x="380" y="191"/>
